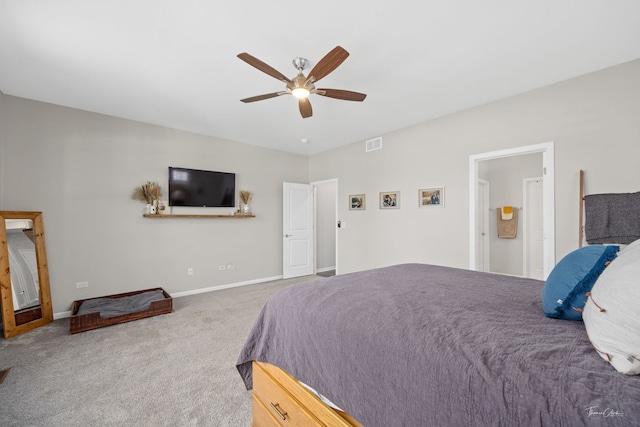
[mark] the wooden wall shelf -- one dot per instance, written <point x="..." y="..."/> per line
<point x="196" y="216"/>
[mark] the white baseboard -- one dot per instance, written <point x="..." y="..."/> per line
<point x="322" y="270"/>
<point x="220" y="287"/>
<point x="65" y="314"/>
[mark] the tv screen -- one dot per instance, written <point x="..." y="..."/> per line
<point x="192" y="187"/>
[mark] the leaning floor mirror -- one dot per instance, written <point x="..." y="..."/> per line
<point x="25" y="295"/>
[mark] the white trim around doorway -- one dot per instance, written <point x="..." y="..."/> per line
<point x="548" y="164"/>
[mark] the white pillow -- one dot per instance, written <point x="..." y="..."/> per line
<point x="612" y="313"/>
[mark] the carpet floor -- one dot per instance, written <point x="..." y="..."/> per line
<point x="175" y="369"/>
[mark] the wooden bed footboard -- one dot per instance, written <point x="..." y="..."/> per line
<point x="280" y="400"/>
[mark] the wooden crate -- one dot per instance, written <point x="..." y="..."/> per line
<point x="88" y="321"/>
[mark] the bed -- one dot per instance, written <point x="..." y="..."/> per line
<point x="425" y="345"/>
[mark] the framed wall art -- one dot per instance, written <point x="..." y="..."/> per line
<point x="357" y="202"/>
<point x="390" y="200"/>
<point x="431" y="197"/>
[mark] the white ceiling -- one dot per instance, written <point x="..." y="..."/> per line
<point x="173" y="63"/>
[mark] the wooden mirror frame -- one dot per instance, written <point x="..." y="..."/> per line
<point x="16" y="323"/>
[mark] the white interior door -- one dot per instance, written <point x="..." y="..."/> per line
<point x="482" y="250"/>
<point x="297" y="230"/>
<point x="533" y="229"/>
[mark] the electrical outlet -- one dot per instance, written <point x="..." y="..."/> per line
<point x="222" y="267"/>
<point x="230" y="267"/>
<point x="190" y="271"/>
<point x="82" y="285"/>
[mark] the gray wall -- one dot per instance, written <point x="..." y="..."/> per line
<point x="80" y="169"/>
<point x="593" y="120"/>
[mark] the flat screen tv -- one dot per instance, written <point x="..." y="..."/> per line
<point x="193" y="187"/>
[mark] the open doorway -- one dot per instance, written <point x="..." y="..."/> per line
<point x="479" y="170"/>
<point x="505" y="177"/>
<point x="326" y="219"/>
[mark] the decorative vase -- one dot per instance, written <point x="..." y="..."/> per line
<point x="245" y="209"/>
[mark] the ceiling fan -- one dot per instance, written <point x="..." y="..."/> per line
<point x="302" y="86"/>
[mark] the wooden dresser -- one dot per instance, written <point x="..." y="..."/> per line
<point x="280" y="400"/>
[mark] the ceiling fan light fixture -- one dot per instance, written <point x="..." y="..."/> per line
<point x="300" y="92"/>
<point x="301" y="86"/>
<point x="298" y="87"/>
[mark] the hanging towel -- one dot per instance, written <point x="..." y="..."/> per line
<point x="507" y="212"/>
<point x="507" y="228"/>
<point x="612" y="218"/>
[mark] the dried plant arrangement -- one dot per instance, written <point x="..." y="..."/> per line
<point x="147" y="192"/>
<point x="245" y="197"/>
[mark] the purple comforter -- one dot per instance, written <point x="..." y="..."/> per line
<point x="421" y="345"/>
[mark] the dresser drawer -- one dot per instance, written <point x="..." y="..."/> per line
<point x="262" y="416"/>
<point x="279" y="403"/>
<point x="280" y="400"/>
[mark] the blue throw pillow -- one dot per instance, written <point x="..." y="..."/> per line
<point x="574" y="276"/>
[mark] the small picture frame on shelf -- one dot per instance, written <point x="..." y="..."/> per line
<point x="163" y="207"/>
<point x="390" y="200"/>
<point x="431" y="197"/>
<point x="357" y="202"/>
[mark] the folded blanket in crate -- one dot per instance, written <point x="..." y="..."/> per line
<point x="113" y="307"/>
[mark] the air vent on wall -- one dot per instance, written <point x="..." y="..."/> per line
<point x="374" y="144"/>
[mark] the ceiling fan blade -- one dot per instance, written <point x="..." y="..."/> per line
<point x="305" y="107"/>
<point x="330" y="62"/>
<point x="255" y="62"/>
<point x="261" y="97"/>
<point x="346" y="95"/>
